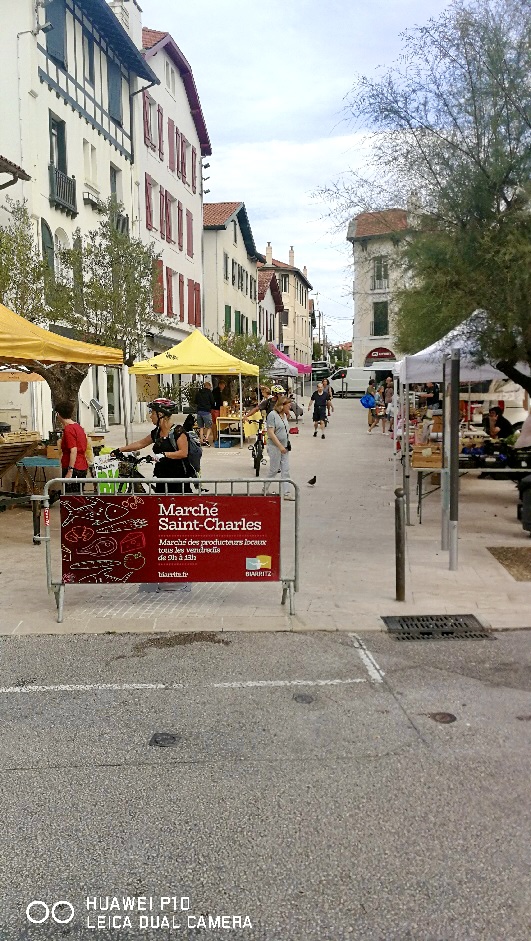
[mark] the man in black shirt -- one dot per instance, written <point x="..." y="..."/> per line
<point x="319" y="399"/>
<point x="431" y="395"/>
<point x="205" y="402"/>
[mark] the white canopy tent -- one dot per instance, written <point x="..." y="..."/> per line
<point x="427" y="365"/>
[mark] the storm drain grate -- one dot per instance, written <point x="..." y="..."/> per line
<point x="436" y="627"/>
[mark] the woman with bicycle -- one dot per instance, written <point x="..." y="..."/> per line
<point x="278" y="445"/>
<point x="170" y="446"/>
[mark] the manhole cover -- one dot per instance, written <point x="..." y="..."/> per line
<point x="304" y="698"/>
<point x="164" y="739"/>
<point x="443" y="717"/>
<point x="436" y="627"/>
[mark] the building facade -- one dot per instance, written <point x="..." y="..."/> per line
<point x="230" y="271"/>
<point x="375" y="238"/>
<point x="270" y="307"/>
<point x="297" y="324"/>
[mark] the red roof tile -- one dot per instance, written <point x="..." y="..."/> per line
<point x="150" y="37"/>
<point x="384" y="222"/>
<point x="218" y="214"/>
<point x="6" y="166"/>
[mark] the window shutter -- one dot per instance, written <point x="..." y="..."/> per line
<point x="180" y="234"/>
<point x="181" y="297"/>
<point x="169" y="292"/>
<point x="237" y="322"/>
<point x="183" y="158"/>
<point x="191" y="301"/>
<point x="228" y="323"/>
<point x="194" y="170"/>
<point x="171" y="144"/>
<point x="178" y="151"/>
<point x="114" y="87"/>
<point x="160" y="117"/>
<point x="158" y="290"/>
<point x="149" y="204"/>
<point x="147" y="128"/>
<point x="55" y="38"/>
<point x="162" y="205"/>
<point x="169" y="233"/>
<point x="189" y="234"/>
<point x="255" y="331"/>
<point x="197" y="303"/>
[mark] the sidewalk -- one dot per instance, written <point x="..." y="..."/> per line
<point x="347" y="554"/>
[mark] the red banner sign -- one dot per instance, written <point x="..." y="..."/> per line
<point x="157" y="538"/>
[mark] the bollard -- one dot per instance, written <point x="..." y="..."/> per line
<point x="400" y="544"/>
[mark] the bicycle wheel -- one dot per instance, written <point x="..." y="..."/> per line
<point x="257" y="458"/>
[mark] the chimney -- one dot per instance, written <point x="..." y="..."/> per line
<point x="305" y="271"/>
<point x="129" y="14"/>
<point x="292" y="257"/>
<point x="269" y="254"/>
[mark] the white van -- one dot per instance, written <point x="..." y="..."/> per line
<point x="350" y="380"/>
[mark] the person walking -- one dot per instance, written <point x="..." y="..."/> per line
<point x="319" y="399"/>
<point x="389" y="392"/>
<point x="371" y="412"/>
<point x="379" y="410"/>
<point x="218" y="392"/>
<point x="329" y="404"/>
<point x="170" y="446"/>
<point x="278" y="444"/>
<point x="74" y="462"/>
<point x="205" y="403"/>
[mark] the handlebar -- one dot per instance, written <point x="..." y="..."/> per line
<point x="132" y="458"/>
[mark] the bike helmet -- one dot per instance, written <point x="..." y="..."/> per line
<point x="163" y="407"/>
<point x="278" y="390"/>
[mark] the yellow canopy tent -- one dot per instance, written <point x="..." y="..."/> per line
<point x="25" y="342"/>
<point x="197" y="354"/>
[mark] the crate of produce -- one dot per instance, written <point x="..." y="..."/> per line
<point x="426" y="456"/>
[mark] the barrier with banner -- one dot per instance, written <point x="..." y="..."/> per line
<point x="154" y="538"/>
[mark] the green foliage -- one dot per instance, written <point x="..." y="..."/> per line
<point x="339" y="357"/>
<point x="250" y="349"/>
<point x="317" y="351"/>
<point x="23" y="273"/>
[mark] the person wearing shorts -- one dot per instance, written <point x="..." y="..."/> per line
<point x="319" y="399"/>
<point x="205" y="403"/>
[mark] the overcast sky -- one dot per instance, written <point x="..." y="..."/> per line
<point x="272" y="76"/>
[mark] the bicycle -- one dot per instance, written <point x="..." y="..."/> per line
<point x="259" y="445"/>
<point x="127" y="467"/>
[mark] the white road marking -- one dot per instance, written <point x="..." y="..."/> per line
<point x="123" y="687"/>
<point x="368" y="660"/>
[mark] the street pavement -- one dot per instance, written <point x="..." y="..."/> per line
<point x="309" y="789"/>
<point x="347" y="570"/>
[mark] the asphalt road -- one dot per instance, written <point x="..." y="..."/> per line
<point x="308" y="788"/>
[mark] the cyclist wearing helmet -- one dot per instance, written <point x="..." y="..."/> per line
<point x="170" y="446"/>
<point x="267" y="405"/>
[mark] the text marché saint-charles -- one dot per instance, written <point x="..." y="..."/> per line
<point x="176" y="518"/>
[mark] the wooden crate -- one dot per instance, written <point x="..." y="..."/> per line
<point x="19" y="437"/>
<point x="426" y="456"/>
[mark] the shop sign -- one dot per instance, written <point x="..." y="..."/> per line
<point x="154" y="539"/>
<point x="381" y="353"/>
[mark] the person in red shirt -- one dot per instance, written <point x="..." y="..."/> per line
<point x="73" y="443"/>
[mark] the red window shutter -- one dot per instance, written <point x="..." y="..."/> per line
<point x="169" y="292"/>
<point x="191" y="301"/>
<point x="162" y="204"/>
<point x="189" y="234"/>
<point x="171" y="144"/>
<point x="183" y="158"/>
<point x="194" y="170"/>
<point x="181" y="297"/>
<point x="197" y="304"/>
<point x="158" y="293"/>
<point x="149" y="204"/>
<point x="147" y="128"/>
<point x="160" y="116"/>
<point x="180" y="233"/>
<point x="169" y="233"/>
<point x="178" y="151"/>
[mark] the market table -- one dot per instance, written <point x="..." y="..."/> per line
<point x="227" y="421"/>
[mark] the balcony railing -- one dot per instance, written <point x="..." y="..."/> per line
<point x="379" y="284"/>
<point x="379" y="328"/>
<point x="63" y="191"/>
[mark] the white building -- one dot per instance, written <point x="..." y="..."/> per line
<point x="297" y="324"/>
<point x="231" y="275"/>
<point x="270" y="307"/>
<point x="375" y="238"/>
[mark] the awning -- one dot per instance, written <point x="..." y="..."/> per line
<point x="196" y="354"/>
<point x="25" y="342"/>
<point x="302" y="368"/>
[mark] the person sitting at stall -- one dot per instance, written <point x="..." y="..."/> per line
<point x="496" y="425"/>
<point x="170" y="446"/>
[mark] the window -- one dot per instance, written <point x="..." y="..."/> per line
<point x="234" y="272"/>
<point x="246" y="278"/>
<point x="380" y="324"/>
<point x="55" y="37"/>
<point x="167" y="71"/>
<point x="284" y="318"/>
<point x="225" y="266"/>
<point x="181" y="298"/>
<point x="194" y="170"/>
<point x="180" y="233"/>
<point x="178" y="154"/>
<point x="158" y="287"/>
<point x="160" y="129"/>
<point x="284" y="283"/>
<point x="184" y="151"/>
<point x="172" y="89"/>
<point x="88" y="57"/>
<point x="90" y="163"/>
<point x="252" y="288"/>
<point x="171" y="145"/>
<point x="58" y="144"/>
<point x="149" y="112"/>
<point x="115" y="180"/>
<point x="162" y="212"/>
<point x="47" y="245"/>
<point x="380" y="274"/>
<point x="170" y="217"/>
<point x="237" y="321"/>
<point x="235" y="231"/>
<point x="228" y="319"/>
<point x="114" y="85"/>
<point x="189" y="234"/>
<point x="149" y="202"/>
<point x="254" y="328"/>
<point x="191" y="301"/>
<point x="169" y="292"/>
<point x="197" y="304"/>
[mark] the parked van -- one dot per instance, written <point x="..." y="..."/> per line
<point x="350" y="380"/>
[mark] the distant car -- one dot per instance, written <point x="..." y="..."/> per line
<point x="320" y="370"/>
<point x="350" y="380"/>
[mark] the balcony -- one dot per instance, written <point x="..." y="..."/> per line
<point x="379" y="328"/>
<point x="62" y="191"/>
<point x="379" y="284"/>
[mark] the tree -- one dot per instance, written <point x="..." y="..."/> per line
<point x="317" y="351"/>
<point x="102" y="289"/>
<point x="451" y="136"/>
<point x="250" y="349"/>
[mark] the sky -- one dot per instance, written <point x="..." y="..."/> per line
<point x="272" y="79"/>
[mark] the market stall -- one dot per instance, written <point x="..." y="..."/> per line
<point x="199" y="356"/>
<point x="302" y="369"/>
